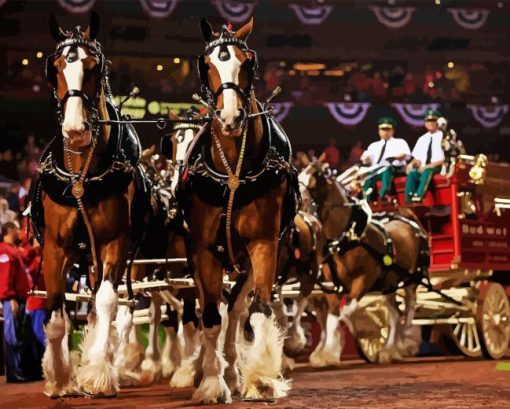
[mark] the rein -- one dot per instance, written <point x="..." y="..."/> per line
<point x="233" y="184"/>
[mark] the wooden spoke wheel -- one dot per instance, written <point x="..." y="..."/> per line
<point x="466" y="339"/>
<point x="372" y="338"/>
<point x="493" y="320"/>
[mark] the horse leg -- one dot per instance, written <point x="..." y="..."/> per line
<point x="209" y="281"/>
<point x="56" y="365"/>
<point x="409" y="342"/>
<point x="98" y="376"/>
<point x="283" y="322"/>
<point x="151" y="365"/>
<point x="296" y="339"/>
<point x="236" y="308"/>
<point x="127" y="355"/>
<point x="329" y="348"/>
<point x="390" y="351"/>
<point x="171" y="355"/>
<point x="184" y="376"/>
<point x="261" y="372"/>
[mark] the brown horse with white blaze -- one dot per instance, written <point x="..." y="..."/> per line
<point x="238" y="191"/>
<point x="83" y="208"/>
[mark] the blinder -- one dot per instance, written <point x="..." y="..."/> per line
<point x="250" y="65"/>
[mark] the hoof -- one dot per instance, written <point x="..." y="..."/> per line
<point x="184" y="377"/>
<point x="267" y="389"/>
<point x="98" y="379"/>
<point x="53" y="391"/>
<point x="213" y="389"/>
<point x="323" y="358"/>
<point x="296" y="341"/>
<point x="151" y="371"/>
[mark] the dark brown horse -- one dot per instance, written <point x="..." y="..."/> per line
<point x="368" y="252"/>
<point x="237" y="195"/>
<point x="83" y="206"/>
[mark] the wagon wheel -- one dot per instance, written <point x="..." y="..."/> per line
<point x="493" y="320"/>
<point x="370" y="341"/>
<point x="466" y="339"/>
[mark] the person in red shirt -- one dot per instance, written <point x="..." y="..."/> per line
<point x="331" y="154"/>
<point x="15" y="283"/>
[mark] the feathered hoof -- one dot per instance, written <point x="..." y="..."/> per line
<point x="168" y="368"/>
<point x="321" y="358"/>
<point x="53" y="390"/>
<point x="388" y="355"/>
<point x="267" y="389"/>
<point x="184" y="377"/>
<point x="98" y="380"/>
<point x="213" y="389"/>
<point x="151" y="371"/>
<point x="129" y="378"/>
<point x="232" y="380"/>
<point x="295" y="342"/>
<point x="288" y="363"/>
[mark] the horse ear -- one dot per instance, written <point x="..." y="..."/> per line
<point x="55" y="30"/>
<point x="206" y="29"/>
<point x="93" y="28"/>
<point x="244" y="31"/>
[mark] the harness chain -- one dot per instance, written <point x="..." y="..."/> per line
<point x="78" y="191"/>
<point x="233" y="184"/>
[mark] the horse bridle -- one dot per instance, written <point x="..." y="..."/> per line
<point x="90" y="103"/>
<point x="251" y="65"/>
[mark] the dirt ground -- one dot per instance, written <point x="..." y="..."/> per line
<point x="417" y="383"/>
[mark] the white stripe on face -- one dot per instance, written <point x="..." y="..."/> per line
<point x="229" y="72"/>
<point x="182" y="147"/>
<point x="74" y="119"/>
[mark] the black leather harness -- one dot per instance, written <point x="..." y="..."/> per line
<point x="118" y="166"/>
<point x="275" y="166"/>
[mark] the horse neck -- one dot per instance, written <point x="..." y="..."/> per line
<point x="231" y="146"/>
<point x="338" y="211"/>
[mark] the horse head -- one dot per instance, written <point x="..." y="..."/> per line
<point x="76" y="71"/>
<point x="227" y="70"/>
<point x="329" y="200"/>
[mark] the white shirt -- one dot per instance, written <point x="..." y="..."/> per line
<point x="422" y="145"/>
<point x="394" y="147"/>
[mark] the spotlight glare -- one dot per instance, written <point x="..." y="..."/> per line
<point x="177" y="60"/>
<point x="39" y="54"/>
<point x="159" y="67"/>
<point x="24" y="61"/>
<point x="438" y="2"/>
<point x="451" y="64"/>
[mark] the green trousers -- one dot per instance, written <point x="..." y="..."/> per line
<point x="417" y="183"/>
<point x="385" y="177"/>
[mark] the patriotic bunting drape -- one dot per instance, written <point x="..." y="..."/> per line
<point x="393" y="17"/>
<point x="470" y="19"/>
<point x="413" y="114"/>
<point x="158" y="8"/>
<point x="488" y="116"/>
<point x="281" y="110"/>
<point x="348" y="113"/>
<point x="235" y="11"/>
<point x="312" y="15"/>
<point x="77" y="6"/>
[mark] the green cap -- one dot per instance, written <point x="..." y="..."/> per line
<point x="432" y="114"/>
<point x="386" y="122"/>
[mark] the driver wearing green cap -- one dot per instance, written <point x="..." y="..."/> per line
<point x="428" y="156"/>
<point x="390" y="152"/>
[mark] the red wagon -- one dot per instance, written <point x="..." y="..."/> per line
<point x="467" y="216"/>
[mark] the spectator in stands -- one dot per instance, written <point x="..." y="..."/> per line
<point x="390" y="152"/>
<point x="428" y="156"/>
<point x="14" y="286"/>
<point x="331" y="154"/>
<point x="356" y="152"/>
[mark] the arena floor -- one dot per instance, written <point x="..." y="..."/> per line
<point x="417" y="383"/>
